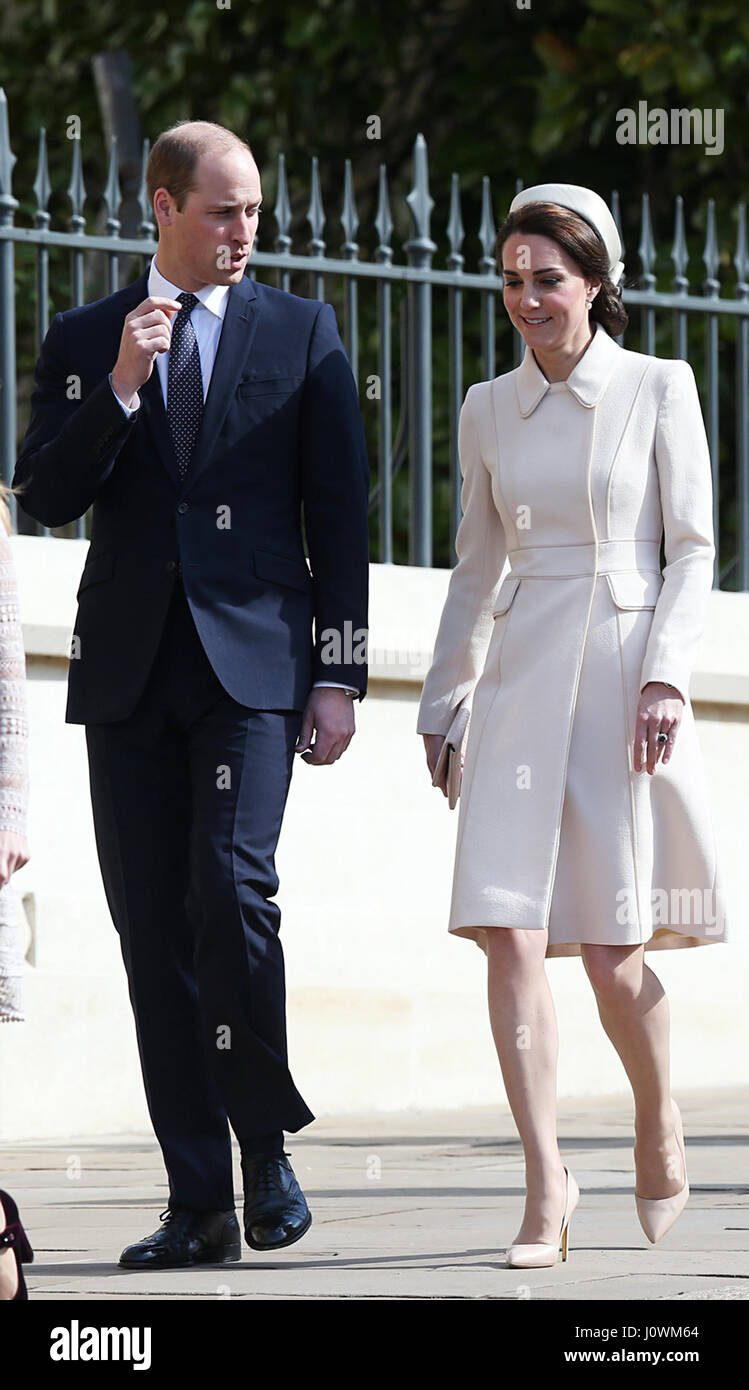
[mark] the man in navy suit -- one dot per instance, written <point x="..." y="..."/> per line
<point x="212" y="423"/>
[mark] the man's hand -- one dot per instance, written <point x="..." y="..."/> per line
<point x="147" y="330"/>
<point x="659" y="711"/>
<point x="330" y="712"/>
<point x="14" y="853"/>
<point x="432" y="744"/>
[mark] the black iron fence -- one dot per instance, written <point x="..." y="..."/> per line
<point x="416" y="314"/>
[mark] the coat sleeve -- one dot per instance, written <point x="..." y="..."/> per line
<point x="466" y="624"/>
<point x="71" y="445"/>
<point x="335" y="495"/>
<point x="685" y="482"/>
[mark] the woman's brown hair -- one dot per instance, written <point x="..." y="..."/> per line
<point x="583" y="244"/>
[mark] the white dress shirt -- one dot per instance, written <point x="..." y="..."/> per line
<point x="207" y="318"/>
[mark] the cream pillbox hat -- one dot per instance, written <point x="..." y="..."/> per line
<point x="589" y="205"/>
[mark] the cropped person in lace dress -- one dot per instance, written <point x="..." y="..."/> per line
<point x="14" y="780"/>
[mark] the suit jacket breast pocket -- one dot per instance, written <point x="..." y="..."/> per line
<point x="250" y="387"/>
<point x="269" y="402"/>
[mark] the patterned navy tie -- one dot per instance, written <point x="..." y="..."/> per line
<point x="184" y="392"/>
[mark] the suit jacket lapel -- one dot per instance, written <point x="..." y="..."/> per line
<point x="152" y="400"/>
<point x="155" y="414"/>
<point x="237" y="334"/>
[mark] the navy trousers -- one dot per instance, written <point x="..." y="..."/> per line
<point x="188" y="795"/>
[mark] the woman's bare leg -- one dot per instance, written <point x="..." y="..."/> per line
<point x="524" y="1026"/>
<point x="634" y="1011"/>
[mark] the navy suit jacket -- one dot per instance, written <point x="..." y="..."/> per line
<point x="280" y="458"/>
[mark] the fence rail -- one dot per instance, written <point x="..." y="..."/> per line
<point x="405" y="387"/>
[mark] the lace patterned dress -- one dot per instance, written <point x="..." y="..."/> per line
<point x="14" y="780"/>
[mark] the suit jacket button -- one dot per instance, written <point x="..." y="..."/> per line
<point x="183" y="507"/>
<point x="171" y="564"/>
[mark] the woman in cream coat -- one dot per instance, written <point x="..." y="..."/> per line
<point x="584" y="825"/>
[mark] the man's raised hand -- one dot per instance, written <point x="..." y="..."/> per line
<point x="147" y="330"/>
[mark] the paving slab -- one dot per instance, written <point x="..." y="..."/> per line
<point x="416" y="1205"/>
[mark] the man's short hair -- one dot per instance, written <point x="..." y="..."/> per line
<point x="174" y="157"/>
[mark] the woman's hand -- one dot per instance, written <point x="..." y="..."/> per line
<point x="433" y="743"/>
<point x="14" y="853"/>
<point x="659" y="711"/>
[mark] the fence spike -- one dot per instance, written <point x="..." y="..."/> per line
<point x="7" y="158"/>
<point x="112" y="192"/>
<point x="487" y="230"/>
<point x="711" y="255"/>
<point x="42" y="186"/>
<point x="419" y="199"/>
<point x="616" y="213"/>
<point x="741" y="258"/>
<point x="147" y="227"/>
<point x="383" y="220"/>
<point x="315" y="212"/>
<point x="76" y="189"/>
<point x="680" y="250"/>
<point x="349" y="219"/>
<point x="646" y="248"/>
<point x="455" y="228"/>
<point x="282" y="210"/>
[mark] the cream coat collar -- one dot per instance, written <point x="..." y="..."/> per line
<point x="587" y="381"/>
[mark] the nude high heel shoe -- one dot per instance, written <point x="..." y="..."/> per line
<point x="658" y="1214"/>
<point x="539" y="1256"/>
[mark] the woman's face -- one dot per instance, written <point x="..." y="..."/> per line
<point x="545" y="292"/>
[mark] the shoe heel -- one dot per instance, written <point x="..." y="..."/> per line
<point x="540" y="1256"/>
<point x="573" y="1197"/>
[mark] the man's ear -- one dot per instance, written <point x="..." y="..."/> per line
<point x="164" y="207"/>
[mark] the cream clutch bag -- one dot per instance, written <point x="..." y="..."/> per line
<point x="448" y="767"/>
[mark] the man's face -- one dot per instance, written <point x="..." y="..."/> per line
<point x="210" y="240"/>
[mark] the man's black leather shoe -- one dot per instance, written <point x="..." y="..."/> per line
<point x="187" y="1237"/>
<point x="275" y="1209"/>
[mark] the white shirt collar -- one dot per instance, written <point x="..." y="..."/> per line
<point x="587" y="380"/>
<point x="213" y="297"/>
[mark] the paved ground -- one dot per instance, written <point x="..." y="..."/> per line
<point x="408" y="1206"/>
